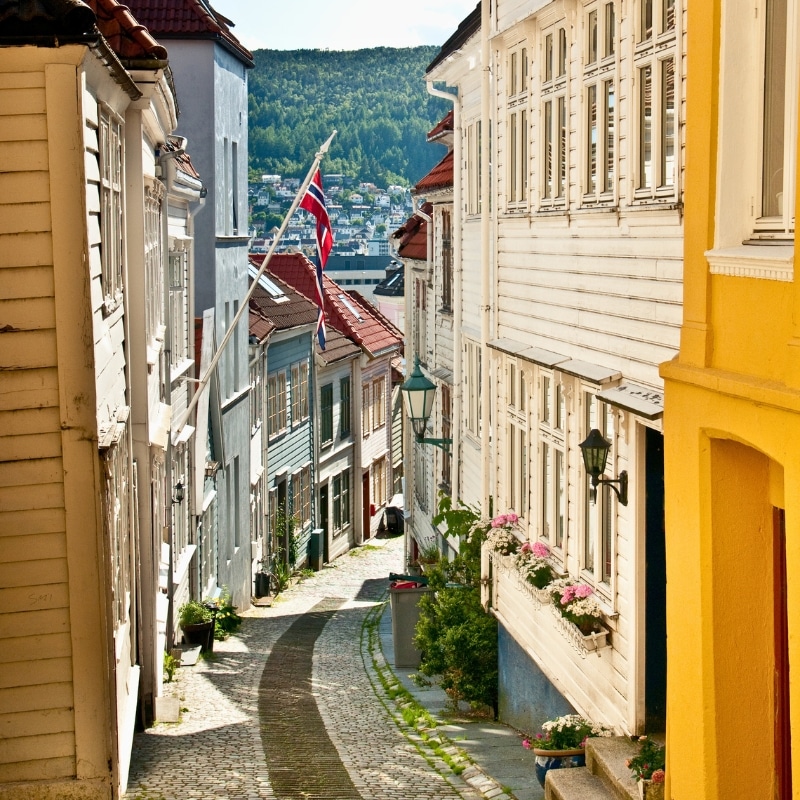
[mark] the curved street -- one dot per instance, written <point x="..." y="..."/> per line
<point x="293" y="707"/>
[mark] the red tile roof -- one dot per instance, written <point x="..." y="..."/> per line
<point x="413" y="236"/>
<point x="281" y="314"/>
<point x="128" y="38"/>
<point x="189" y="19"/>
<point x="440" y="177"/>
<point x="346" y="312"/>
<point x="443" y="127"/>
<point x="337" y="347"/>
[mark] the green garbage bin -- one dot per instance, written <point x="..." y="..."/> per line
<point x="405" y="613"/>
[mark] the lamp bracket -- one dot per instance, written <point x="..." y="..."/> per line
<point x="621" y="492"/>
<point x="444" y="444"/>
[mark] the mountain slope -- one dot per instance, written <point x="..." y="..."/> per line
<point x="375" y="99"/>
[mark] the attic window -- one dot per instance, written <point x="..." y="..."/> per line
<point x="350" y="307"/>
<point x="274" y="291"/>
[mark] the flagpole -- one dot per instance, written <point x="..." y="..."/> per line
<point x="244" y="307"/>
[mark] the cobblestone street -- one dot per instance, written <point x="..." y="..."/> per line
<point x="291" y="707"/>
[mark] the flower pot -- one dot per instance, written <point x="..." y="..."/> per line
<point x="201" y="633"/>
<point x="557" y="759"/>
<point x="648" y="790"/>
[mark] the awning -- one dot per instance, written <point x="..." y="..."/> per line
<point x="639" y="400"/>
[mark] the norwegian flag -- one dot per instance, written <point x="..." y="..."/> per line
<point x="314" y="202"/>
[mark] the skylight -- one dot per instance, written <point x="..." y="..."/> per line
<point x="350" y="307"/>
<point x="274" y="291"/>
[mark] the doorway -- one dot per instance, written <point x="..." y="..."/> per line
<point x="365" y="506"/>
<point x="655" y="689"/>
<point x="783" y="728"/>
<point x="323" y="519"/>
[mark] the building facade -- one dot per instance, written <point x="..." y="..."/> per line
<point x="732" y="415"/>
<point x="570" y="251"/>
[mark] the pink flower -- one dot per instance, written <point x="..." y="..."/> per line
<point x="511" y="518"/>
<point x="583" y="590"/>
<point x="526" y="743"/>
<point x="568" y="595"/>
<point x="540" y="550"/>
<point x="658" y="776"/>
<point x="499" y="521"/>
<point x="526" y="548"/>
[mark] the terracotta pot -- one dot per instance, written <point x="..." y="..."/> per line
<point x="557" y="759"/>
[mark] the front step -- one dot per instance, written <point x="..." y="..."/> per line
<point x="605" y="776"/>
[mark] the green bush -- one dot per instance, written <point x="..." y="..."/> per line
<point x="456" y="636"/>
<point x="193" y="613"/>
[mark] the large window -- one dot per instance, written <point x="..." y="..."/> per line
<point x="473" y="150"/>
<point x="472" y="387"/>
<point x="420" y="320"/>
<point x="276" y="403"/>
<point x="299" y="392"/>
<point x="344" y="407"/>
<point x="112" y="224"/>
<point x="326" y="414"/>
<point x="447" y="433"/>
<point x="341" y="501"/>
<point x="654" y="64"/>
<point x="517" y="447"/>
<point x="379" y="482"/>
<point x="598" y="521"/>
<point x="600" y="102"/>
<point x="552" y="479"/>
<point x="517" y="120"/>
<point x="378" y="403"/>
<point x="178" y="307"/>
<point x="153" y="263"/>
<point x="446" y="240"/>
<point x="554" y="115"/>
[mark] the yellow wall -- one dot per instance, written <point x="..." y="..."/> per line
<point x="732" y="453"/>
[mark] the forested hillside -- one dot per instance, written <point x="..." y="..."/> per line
<point x="376" y="100"/>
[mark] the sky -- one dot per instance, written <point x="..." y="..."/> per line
<point x="342" y="24"/>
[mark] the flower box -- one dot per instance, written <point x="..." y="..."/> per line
<point x="584" y="643"/>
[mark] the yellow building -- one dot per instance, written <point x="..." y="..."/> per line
<point x="732" y="416"/>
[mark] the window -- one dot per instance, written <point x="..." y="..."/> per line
<point x="378" y="403"/>
<point x="598" y="522"/>
<point x="366" y="407"/>
<point x="447" y="433"/>
<point x="447" y="261"/>
<point x="178" y="307"/>
<point x="326" y="414"/>
<point x="276" y="403"/>
<point x="341" y="501"/>
<point x="654" y="62"/>
<point x="420" y="320"/>
<point x="379" y="482"/>
<point x="299" y="392"/>
<point x="554" y="116"/>
<point x="153" y="263"/>
<point x="517" y="115"/>
<point x="305" y="496"/>
<point x="256" y="395"/>
<point x="779" y="112"/>
<point x="112" y="224"/>
<point x="553" y="489"/>
<point x="344" y="407"/>
<point x="517" y="446"/>
<point x="474" y="154"/>
<point x="600" y="104"/>
<point x="472" y="387"/>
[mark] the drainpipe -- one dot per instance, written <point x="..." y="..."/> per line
<point x="455" y="412"/>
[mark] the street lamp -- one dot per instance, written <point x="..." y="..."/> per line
<point x="595" y="453"/>
<point x="418" y="393"/>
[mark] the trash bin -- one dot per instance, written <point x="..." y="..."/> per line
<point x="404" y="596"/>
<point x="316" y="549"/>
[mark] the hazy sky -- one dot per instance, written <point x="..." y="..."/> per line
<point x="343" y="24"/>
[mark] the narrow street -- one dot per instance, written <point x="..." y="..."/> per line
<point x="291" y="707"/>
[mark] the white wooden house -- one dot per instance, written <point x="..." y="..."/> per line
<point x="567" y="297"/>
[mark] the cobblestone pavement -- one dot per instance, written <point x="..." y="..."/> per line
<point x="293" y="707"/>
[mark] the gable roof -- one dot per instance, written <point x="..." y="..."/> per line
<point x="440" y="177"/>
<point x="189" y="19"/>
<point x="38" y="21"/>
<point x="346" y="312"/>
<point x="442" y="128"/>
<point x="413" y="235"/>
<point x="283" y="312"/>
<point x="467" y="28"/>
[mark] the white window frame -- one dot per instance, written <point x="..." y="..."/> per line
<point x="111" y="162"/>
<point x="600" y="103"/>
<point x="276" y="404"/>
<point x="656" y="133"/>
<point x="552" y="464"/>
<point x="472" y="387"/>
<point x="472" y="147"/>
<point x="517" y="433"/>
<point x="554" y="104"/>
<point x="517" y="115"/>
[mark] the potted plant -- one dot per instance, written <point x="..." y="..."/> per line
<point x="562" y="743"/>
<point x="197" y="623"/>
<point x="647" y="767"/>
<point x="501" y="536"/>
<point x="532" y="564"/>
<point x="575" y="603"/>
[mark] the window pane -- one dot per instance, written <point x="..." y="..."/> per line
<point x="608" y="183"/>
<point x="548" y="57"/>
<point x="514" y="88"/>
<point x="591" y="45"/>
<point x="344" y="406"/>
<point x="668" y="123"/>
<point x="645" y="127"/>
<point x="646" y="31"/>
<point x="562" y="52"/>
<point x="591" y="139"/>
<point x="547" y="487"/>
<point x="512" y="193"/>
<point x="774" y="108"/>
<point x="610" y="31"/>
<point x="668" y="15"/>
<point x="548" y="150"/>
<point x="562" y="146"/>
<point x="560" y="498"/>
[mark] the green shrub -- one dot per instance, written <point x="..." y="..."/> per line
<point x="193" y="613"/>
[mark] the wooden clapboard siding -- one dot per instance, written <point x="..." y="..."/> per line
<point x="44" y="769"/>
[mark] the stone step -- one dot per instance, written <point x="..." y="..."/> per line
<point x="605" y="776"/>
<point x="575" y="784"/>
